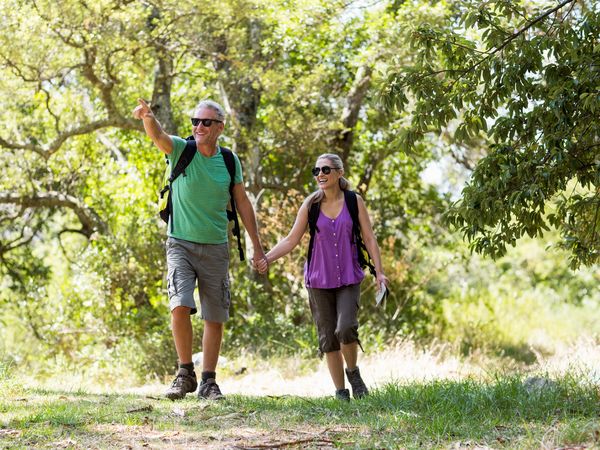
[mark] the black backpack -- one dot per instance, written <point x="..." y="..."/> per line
<point x="184" y="160"/>
<point x="364" y="259"/>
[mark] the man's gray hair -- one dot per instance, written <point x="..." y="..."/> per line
<point x="214" y="106"/>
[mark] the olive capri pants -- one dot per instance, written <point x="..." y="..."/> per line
<point x="335" y="314"/>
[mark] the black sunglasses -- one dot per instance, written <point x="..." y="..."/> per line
<point x="205" y="122"/>
<point x="325" y="169"/>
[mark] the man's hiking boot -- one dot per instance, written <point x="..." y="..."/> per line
<point x="183" y="383"/>
<point x="343" y="394"/>
<point x="209" y="390"/>
<point x="359" y="389"/>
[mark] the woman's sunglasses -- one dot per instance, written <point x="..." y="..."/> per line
<point x="205" y="122"/>
<point x="325" y="169"/>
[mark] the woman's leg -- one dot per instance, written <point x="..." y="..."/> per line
<point x="347" y="323"/>
<point x="350" y="352"/>
<point x="324" y="312"/>
<point x="347" y="333"/>
<point x="335" y="364"/>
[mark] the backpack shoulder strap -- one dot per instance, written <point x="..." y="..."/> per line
<point x="184" y="160"/>
<point x="352" y="204"/>
<point x="313" y="216"/>
<point x="229" y="163"/>
<point x="229" y="160"/>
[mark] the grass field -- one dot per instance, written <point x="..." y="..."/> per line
<point x="473" y="409"/>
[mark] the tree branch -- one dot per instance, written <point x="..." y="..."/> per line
<point x="48" y="150"/>
<point x="345" y="137"/>
<point x="516" y="34"/>
<point x="495" y="50"/>
<point x="88" y="218"/>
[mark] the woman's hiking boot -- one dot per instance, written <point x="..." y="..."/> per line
<point x="209" y="390"/>
<point x="359" y="389"/>
<point x="184" y="382"/>
<point x="343" y="394"/>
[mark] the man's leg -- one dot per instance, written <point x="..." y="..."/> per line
<point x="181" y="327"/>
<point x="213" y="286"/>
<point x="185" y="381"/>
<point x="181" y="280"/>
<point x="211" y="345"/>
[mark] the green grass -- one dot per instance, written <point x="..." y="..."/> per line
<point x="499" y="413"/>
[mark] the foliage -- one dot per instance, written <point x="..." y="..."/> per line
<point x="523" y="78"/>
<point x="81" y="249"/>
<point x="524" y="305"/>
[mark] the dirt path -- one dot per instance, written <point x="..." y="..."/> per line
<point x="404" y="363"/>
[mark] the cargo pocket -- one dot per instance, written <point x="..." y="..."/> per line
<point x="226" y="295"/>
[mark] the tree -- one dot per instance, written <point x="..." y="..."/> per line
<point x="81" y="246"/>
<point x="524" y="78"/>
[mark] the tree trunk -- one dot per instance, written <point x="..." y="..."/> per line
<point x="344" y="137"/>
<point x="161" y="95"/>
<point x="241" y="96"/>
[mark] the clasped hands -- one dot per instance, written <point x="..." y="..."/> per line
<point x="260" y="264"/>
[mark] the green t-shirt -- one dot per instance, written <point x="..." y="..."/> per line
<point x="200" y="198"/>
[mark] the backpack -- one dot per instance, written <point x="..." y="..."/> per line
<point x="165" y="203"/>
<point x="364" y="259"/>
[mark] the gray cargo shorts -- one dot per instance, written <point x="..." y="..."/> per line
<point x="207" y="263"/>
<point x="335" y="314"/>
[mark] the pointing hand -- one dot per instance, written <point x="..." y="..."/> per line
<point x="142" y="110"/>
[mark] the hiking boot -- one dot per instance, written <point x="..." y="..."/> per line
<point x="209" y="390"/>
<point x="184" y="382"/>
<point x="343" y="394"/>
<point x="359" y="389"/>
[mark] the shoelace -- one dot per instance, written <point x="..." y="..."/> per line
<point x="178" y="381"/>
<point x="213" y="388"/>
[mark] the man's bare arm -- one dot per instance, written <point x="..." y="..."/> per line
<point x="153" y="129"/>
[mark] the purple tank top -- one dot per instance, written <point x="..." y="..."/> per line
<point x="334" y="260"/>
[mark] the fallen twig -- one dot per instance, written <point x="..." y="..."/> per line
<point x="287" y="443"/>
<point x="147" y="408"/>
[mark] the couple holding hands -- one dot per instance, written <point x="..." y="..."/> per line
<point x="197" y="252"/>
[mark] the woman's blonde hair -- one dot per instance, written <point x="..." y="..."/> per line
<point x="336" y="163"/>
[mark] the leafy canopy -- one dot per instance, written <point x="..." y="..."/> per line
<point x="524" y="79"/>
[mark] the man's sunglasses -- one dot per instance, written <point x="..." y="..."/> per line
<point x="205" y="122"/>
<point x="325" y="169"/>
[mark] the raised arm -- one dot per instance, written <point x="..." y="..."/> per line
<point x="288" y="243"/>
<point x="369" y="239"/>
<point x="153" y="129"/>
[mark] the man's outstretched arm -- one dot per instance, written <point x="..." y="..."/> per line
<point x="153" y="129"/>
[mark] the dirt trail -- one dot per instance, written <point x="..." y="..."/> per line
<point x="404" y="363"/>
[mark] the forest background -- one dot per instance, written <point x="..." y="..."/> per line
<point x="471" y="128"/>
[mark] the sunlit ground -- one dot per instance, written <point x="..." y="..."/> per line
<point x="404" y="363"/>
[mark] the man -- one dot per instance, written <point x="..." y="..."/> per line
<point x="197" y="248"/>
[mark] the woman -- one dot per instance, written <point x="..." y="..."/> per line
<point x="333" y="273"/>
